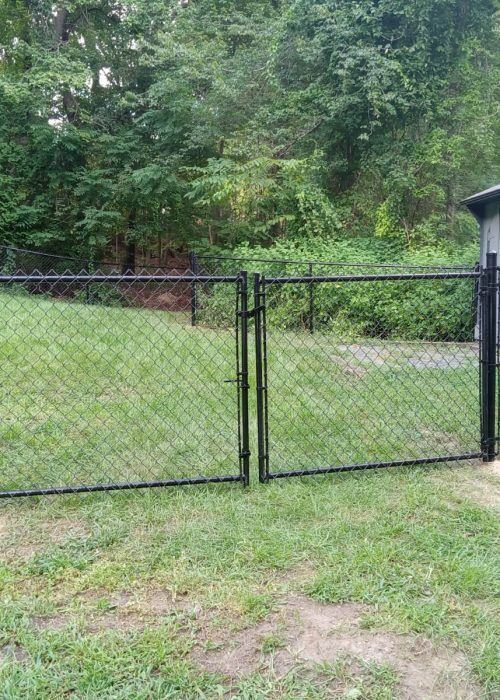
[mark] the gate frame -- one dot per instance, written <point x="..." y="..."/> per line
<point x="488" y="284"/>
<point x="487" y="440"/>
<point x="241" y="381"/>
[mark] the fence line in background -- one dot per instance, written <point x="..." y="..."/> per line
<point x="196" y="264"/>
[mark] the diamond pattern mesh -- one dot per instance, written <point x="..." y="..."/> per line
<point x="106" y="381"/>
<point x="116" y="380"/>
<point x="362" y="372"/>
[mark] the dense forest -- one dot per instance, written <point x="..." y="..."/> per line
<point x="159" y="125"/>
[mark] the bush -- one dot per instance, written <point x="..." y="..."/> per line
<point x="416" y="309"/>
<point x="15" y="290"/>
<point x="101" y="294"/>
<point x="216" y="305"/>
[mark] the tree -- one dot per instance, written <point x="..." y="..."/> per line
<point x="220" y="122"/>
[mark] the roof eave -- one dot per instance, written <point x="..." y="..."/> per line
<point x="477" y="201"/>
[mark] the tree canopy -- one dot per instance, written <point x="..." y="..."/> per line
<point x="229" y="122"/>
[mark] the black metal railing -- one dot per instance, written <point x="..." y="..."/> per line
<point x="390" y="378"/>
<point x="210" y="263"/>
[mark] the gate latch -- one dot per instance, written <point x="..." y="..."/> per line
<point x="251" y="313"/>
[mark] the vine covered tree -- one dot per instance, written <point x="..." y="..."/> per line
<point x="217" y="122"/>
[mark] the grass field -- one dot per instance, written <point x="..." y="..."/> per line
<point x="367" y="585"/>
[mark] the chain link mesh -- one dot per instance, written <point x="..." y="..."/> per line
<point x="364" y="369"/>
<point x="104" y="380"/>
<point x="113" y="381"/>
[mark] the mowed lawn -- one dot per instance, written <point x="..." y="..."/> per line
<point x="199" y="591"/>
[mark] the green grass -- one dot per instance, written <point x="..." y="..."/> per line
<point x="99" y="394"/>
<point x="331" y="403"/>
<point x="419" y="546"/>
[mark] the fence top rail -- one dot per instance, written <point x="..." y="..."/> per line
<point x="340" y="263"/>
<point x="98" y="277"/>
<point x="15" y="249"/>
<point x="81" y="261"/>
<point x="229" y="258"/>
<point x="371" y="278"/>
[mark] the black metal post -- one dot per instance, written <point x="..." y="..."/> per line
<point x="259" y="306"/>
<point x="87" y="287"/>
<point x="475" y="302"/>
<point x="489" y="291"/>
<point x="311" y="301"/>
<point x="243" y="384"/>
<point x="193" y="266"/>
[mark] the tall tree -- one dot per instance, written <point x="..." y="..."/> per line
<point x="184" y="123"/>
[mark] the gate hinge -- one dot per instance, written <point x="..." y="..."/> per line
<point x="245" y="453"/>
<point x="250" y="314"/>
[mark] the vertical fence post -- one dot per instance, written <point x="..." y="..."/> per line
<point x="243" y="385"/>
<point x="87" y="289"/>
<point x="489" y="291"/>
<point x="260" y="375"/>
<point x="193" y="266"/>
<point x="311" y="301"/>
<point x="476" y="305"/>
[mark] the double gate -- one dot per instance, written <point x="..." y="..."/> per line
<point x="106" y="384"/>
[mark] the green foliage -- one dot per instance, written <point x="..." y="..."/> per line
<point x="219" y="123"/>
<point x="95" y="227"/>
<point x="265" y="195"/>
<point x="101" y="294"/>
<point x="426" y="310"/>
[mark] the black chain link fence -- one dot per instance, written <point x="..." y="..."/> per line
<point x="116" y="381"/>
<point x="363" y="365"/>
<point x="390" y="375"/>
<point x="104" y="382"/>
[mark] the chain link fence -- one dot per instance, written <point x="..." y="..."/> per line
<point x="118" y="381"/>
<point x="105" y="384"/>
<point x="390" y="375"/>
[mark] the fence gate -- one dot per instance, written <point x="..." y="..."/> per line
<point x="105" y="385"/>
<point x="394" y="371"/>
<point x="120" y="381"/>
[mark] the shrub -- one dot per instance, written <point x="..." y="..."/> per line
<point x="101" y="294"/>
<point x="416" y="309"/>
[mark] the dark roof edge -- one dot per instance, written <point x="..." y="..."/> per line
<point x="484" y="196"/>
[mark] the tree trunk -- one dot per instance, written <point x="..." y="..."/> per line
<point x="128" y="266"/>
<point x="62" y="32"/>
<point x="61" y="29"/>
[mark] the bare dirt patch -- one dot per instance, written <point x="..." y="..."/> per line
<point x="123" y="610"/>
<point x="480" y="483"/>
<point x="349" y="368"/>
<point x="50" y="622"/>
<point x="13" y="652"/>
<point x="4" y="525"/>
<point x="99" y="609"/>
<point x="485" y="493"/>
<point x="312" y="632"/>
<point x="23" y="540"/>
<point x="494" y="468"/>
